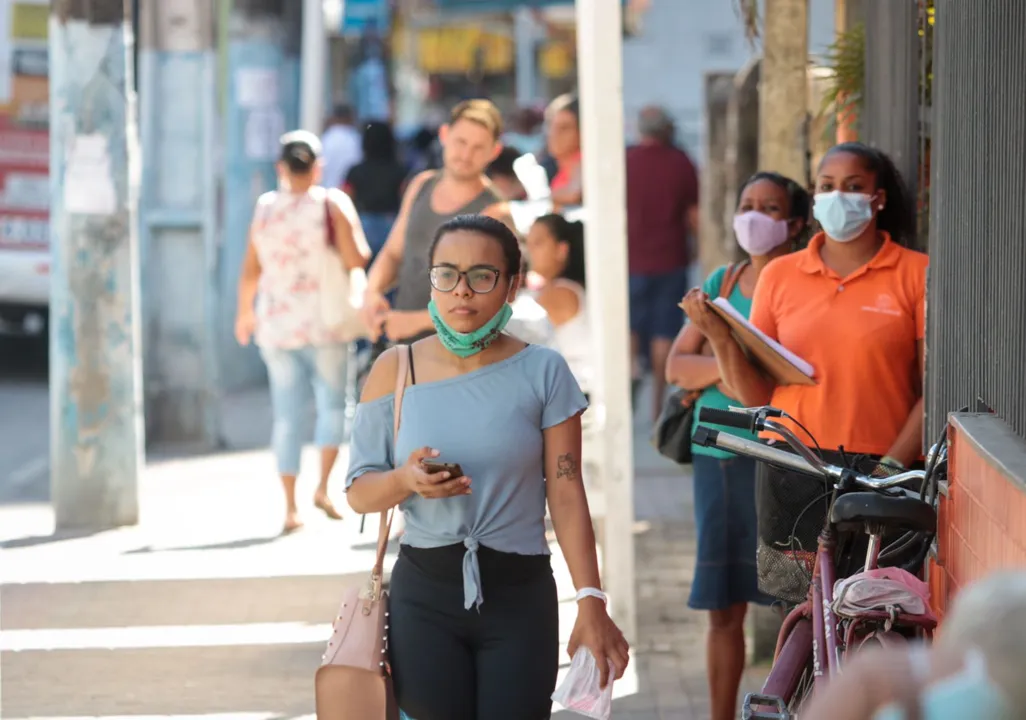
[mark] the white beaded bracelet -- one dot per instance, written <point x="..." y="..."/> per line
<point x="591" y="592"/>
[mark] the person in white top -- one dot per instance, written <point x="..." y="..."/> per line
<point x="280" y="304"/>
<point x="529" y="321"/>
<point x="555" y="249"/>
<point x="343" y="147"/>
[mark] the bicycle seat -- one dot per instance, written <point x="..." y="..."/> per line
<point x="859" y="508"/>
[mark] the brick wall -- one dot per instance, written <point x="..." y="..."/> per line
<point x="982" y="516"/>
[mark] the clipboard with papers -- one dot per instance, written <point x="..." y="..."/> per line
<point x="783" y="365"/>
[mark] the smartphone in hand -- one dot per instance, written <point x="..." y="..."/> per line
<point x="454" y="469"/>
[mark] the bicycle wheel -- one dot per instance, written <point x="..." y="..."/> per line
<point x="790" y="681"/>
<point x="803" y="691"/>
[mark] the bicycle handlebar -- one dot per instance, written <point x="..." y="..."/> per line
<point x="725" y="417"/>
<point x="757" y="419"/>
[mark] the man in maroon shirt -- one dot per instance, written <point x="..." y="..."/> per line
<point x="662" y="212"/>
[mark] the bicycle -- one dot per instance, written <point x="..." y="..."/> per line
<point x="818" y="633"/>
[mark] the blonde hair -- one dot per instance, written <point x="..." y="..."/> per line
<point x="990" y="615"/>
<point x="480" y="111"/>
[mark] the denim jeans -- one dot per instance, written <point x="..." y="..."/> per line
<point x="376" y="227"/>
<point x="293" y="375"/>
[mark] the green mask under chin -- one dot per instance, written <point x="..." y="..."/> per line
<point x="471" y="343"/>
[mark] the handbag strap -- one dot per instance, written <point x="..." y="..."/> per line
<point x="730" y="278"/>
<point x="329" y="222"/>
<point x="405" y="355"/>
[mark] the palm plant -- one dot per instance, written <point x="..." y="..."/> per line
<point x="846" y="58"/>
<point x="748" y="11"/>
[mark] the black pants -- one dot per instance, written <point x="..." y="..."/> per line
<point x="495" y="663"/>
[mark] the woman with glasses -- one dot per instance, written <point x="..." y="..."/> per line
<point x="474" y="626"/>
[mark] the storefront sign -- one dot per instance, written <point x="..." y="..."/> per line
<point x="24" y="120"/>
<point x="363" y="15"/>
<point x="458" y="49"/>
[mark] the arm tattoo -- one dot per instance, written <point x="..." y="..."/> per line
<point x="566" y="467"/>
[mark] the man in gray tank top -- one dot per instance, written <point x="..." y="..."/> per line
<point x="470" y="143"/>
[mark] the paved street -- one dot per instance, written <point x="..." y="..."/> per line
<point x="202" y="611"/>
<point x="24" y="427"/>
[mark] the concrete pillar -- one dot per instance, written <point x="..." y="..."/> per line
<point x="600" y="78"/>
<point x="314" y="66"/>
<point x="95" y="369"/>
<point x="741" y="150"/>
<point x="890" y="114"/>
<point x="783" y="101"/>
<point x="783" y="143"/>
<point x="262" y="81"/>
<point x="715" y="237"/>
<point x="178" y="221"/>
<point x="525" y="34"/>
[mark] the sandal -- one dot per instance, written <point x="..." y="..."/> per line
<point x="292" y="524"/>
<point x="325" y="505"/>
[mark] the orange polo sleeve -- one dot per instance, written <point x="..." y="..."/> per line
<point x="763" y="315"/>
<point x="921" y="308"/>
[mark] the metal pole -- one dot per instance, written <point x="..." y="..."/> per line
<point x="600" y="76"/>
<point x="525" y="34"/>
<point x="314" y="65"/>
<point x="95" y="369"/>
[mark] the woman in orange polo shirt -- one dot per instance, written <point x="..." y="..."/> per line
<point x="853" y="305"/>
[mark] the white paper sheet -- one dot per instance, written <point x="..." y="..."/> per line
<point x="798" y="362"/>
<point x="256" y="87"/>
<point x="88" y="183"/>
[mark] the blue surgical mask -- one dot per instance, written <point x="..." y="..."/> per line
<point x="842" y="215"/>
<point x="967" y="694"/>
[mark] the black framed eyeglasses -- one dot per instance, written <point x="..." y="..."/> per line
<point x="481" y="279"/>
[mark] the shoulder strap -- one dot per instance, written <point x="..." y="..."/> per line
<point x="730" y="278"/>
<point x="329" y="222"/>
<point x="385" y="525"/>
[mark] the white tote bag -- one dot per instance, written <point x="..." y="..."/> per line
<point x="342" y="290"/>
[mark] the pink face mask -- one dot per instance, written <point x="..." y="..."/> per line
<point x="757" y="233"/>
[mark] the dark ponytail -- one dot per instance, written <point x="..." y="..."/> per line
<point x="571" y="233"/>
<point x="898" y="217"/>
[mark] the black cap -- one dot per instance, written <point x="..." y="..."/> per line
<point x="300" y="150"/>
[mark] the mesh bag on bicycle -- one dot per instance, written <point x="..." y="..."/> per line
<point x="791" y="510"/>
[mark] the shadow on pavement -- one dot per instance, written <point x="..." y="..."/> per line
<point x="239" y="544"/>
<point x="36" y="540"/>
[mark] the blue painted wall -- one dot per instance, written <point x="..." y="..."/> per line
<point x="178" y="246"/>
<point x="254" y="44"/>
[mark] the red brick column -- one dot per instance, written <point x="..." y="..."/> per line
<point x="982" y="515"/>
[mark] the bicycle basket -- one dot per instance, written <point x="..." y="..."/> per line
<point x="791" y="510"/>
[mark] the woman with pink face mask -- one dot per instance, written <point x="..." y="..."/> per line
<point x="770" y="221"/>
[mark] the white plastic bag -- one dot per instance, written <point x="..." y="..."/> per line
<point x="580" y="692"/>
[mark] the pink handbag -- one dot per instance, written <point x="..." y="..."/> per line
<point x="353" y="681"/>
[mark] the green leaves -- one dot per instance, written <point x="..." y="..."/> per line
<point x="748" y="12"/>
<point x="846" y="57"/>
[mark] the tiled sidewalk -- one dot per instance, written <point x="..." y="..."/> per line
<point x="203" y="612"/>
